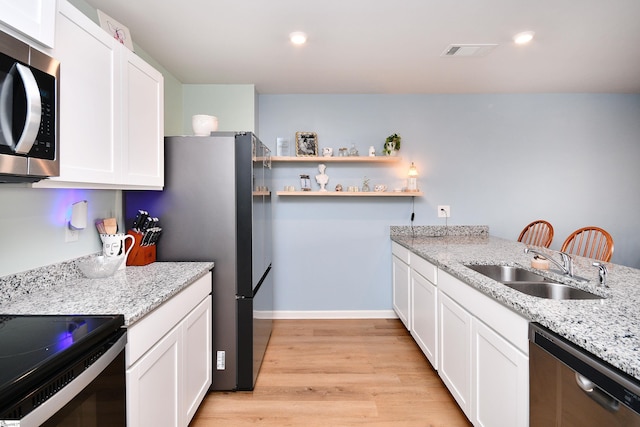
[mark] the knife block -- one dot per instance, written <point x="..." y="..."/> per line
<point x="140" y="255"/>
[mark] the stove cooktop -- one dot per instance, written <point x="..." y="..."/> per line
<point x="33" y="348"/>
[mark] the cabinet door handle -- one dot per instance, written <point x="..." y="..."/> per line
<point x="596" y="394"/>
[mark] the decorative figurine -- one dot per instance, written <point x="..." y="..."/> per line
<point x="339" y="187"/>
<point x="365" y="185"/>
<point x="322" y="178"/>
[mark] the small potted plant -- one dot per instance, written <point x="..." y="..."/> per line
<point x="392" y="145"/>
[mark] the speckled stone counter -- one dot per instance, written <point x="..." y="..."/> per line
<point x="133" y="292"/>
<point x="609" y="328"/>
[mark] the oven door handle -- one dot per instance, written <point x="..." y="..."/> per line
<point x="597" y="394"/>
<point x="50" y="407"/>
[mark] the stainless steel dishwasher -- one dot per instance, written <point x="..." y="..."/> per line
<point x="571" y="387"/>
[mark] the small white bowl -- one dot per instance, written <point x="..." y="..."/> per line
<point x="203" y="124"/>
<point x="100" y="266"/>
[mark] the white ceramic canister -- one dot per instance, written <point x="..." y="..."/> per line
<point x="203" y="124"/>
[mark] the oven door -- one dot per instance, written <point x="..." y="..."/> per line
<point x="96" y="398"/>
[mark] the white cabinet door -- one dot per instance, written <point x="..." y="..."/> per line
<point x="455" y="350"/>
<point x="143" y="123"/>
<point x="89" y="96"/>
<point x="197" y="359"/>
<point x="33" y="18"/>
<point x="401" y="290"/>
<point x="153" y="385"/>
<point x="424" y="316"/>
<point x="501" y="381"/>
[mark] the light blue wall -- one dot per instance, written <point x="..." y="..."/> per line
<point x="497" y="160"/>
<point x="33" y="221"/>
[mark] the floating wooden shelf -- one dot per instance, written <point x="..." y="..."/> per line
<point x="350" y="193"/>
<point x="337" y="159"/>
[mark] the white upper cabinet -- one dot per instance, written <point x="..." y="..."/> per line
<point x="33" y="18"/>
<point x="111" y="110"/>
<point x="142" y="122"/>
<point x="89" y="95"/>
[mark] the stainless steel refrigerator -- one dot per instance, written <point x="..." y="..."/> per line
<point x="216" y="206"/>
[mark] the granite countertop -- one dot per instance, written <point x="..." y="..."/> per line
<point x="61" y="289"/>
<point x="609" y="328"/>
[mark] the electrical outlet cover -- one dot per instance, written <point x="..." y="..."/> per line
<point x="444" y="211"/>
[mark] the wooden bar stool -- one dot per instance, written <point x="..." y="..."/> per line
<point x="538" y="233"/>
<point x="590" y="242"/>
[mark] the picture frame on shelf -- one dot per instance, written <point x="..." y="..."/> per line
<point x="117" y="30"/>
<point x="306" y="144"/>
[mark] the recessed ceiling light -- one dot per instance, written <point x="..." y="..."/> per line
<point x="524" y="37"/>
<point x="298" y="37"/>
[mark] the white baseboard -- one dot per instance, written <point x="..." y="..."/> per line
<point x="350" y="314"/>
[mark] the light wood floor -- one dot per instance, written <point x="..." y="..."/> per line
<point x="338" y="373"/>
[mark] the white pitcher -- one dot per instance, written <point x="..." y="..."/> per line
<point x="113" y="245"/>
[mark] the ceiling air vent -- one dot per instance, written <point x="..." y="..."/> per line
<point x="468" y="50"/>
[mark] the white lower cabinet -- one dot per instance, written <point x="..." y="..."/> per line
<point x="501" y="378"/>
<point x="479" y="347"/>
<point x="455" y="351"/>
<point x="400" y="284"/>
<point x="484" y="355"/>
<point x="424" y="315"/>
<point x="169" y="355"/>
<point x="153" y="392"/>
<point x="197" y="352"/>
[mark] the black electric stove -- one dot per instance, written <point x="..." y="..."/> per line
<point x="49" y="350"/>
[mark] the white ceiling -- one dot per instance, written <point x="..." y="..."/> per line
<point x="390" y="46"/>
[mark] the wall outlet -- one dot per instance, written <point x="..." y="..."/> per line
<point x="444" y="211"/>
<point x="220" y="359"/>
<point x="70" y="235"/>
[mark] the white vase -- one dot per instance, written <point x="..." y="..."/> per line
<point x="203" y="124"/>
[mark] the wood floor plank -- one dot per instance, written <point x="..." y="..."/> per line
<point x="364" y="372"/>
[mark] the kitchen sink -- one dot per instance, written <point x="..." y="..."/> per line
<point x="551" y="290"/>
<point x="506" y="273"/>
<point x="531" y="283"/>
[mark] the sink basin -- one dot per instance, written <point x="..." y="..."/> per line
<point x="551" y="290"/>
<point x="531" y="283"/>
<point x="505" y="273"/>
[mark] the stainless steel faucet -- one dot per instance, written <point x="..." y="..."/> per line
<point x="602" y="273"/>
<point x="567" y="262"/>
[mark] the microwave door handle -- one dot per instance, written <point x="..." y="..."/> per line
<point x="34" y="111"/>
<point x="6" y="107"/>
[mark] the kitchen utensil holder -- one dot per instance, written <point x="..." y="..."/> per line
<point x="140" y="255"/>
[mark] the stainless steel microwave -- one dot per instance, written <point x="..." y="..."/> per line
<point x="29" y="91"/>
